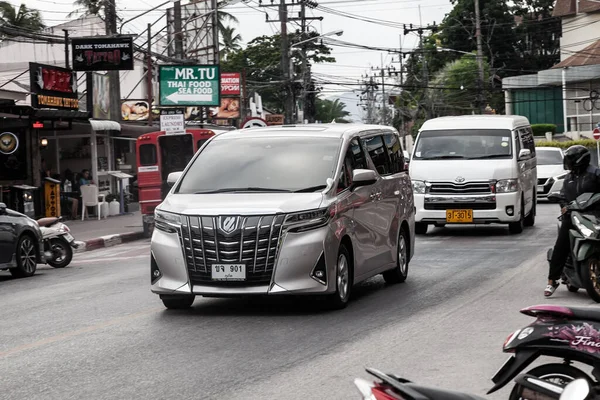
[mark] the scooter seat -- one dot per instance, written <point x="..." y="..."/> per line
<point x="47" y="221"/>
<point x="588" y="313"/>
<point x="436" y="393"/>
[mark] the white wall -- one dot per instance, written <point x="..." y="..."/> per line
<point x="578" y="32"/>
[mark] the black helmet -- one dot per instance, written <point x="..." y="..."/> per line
<point x="577" y="158"/>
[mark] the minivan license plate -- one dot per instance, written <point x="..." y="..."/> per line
<point x="459" y="216"/>
<point x="228" y="272"/>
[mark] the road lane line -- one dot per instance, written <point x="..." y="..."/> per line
<point x="68" y="335"/>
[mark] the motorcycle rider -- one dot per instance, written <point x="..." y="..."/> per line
<point x="582" y="178"/>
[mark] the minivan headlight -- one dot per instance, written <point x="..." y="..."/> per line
<point x="307" y="220"/>
<point x="507" y="186"/>
<point x="419" y="187"/>
<point x="166" y="221"/>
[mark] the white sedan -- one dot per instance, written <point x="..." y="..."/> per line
<point x="550" y="170"/>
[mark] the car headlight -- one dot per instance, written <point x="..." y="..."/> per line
<point x="307" y="220"/>
<point x="166" y="221"/>
<point x="585" y="231"/>
<point x="507" y="186"/>
<point x="419" y="187"/>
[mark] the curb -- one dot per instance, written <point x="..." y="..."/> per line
<point x="108" y="241"/>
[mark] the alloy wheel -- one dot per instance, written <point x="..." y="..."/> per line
<point x="593" y="266"/>
<point x="343" y="278"/>
<point x="402" y="257"/>
<point x="27" y="255"/>
<point x="59" y="249"/>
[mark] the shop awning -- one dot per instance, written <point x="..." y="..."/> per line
<point x="105" y="125"/>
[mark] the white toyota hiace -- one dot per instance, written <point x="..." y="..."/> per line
<point x="474" y="170"/>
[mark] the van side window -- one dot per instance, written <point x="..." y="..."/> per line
<point x="378" y="154"/>
<point x="148" y="155"/>
<point x="394" y="152"/>
<point x="354" y="159"/>
<point x="527" y="140"/>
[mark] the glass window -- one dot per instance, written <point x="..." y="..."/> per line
<point x="378" y="154"/>
<point x="354" y="159"/>
<point x="463" y="144"/>
<point x="278" y="163"/>
<point x="549" y="157"/>
<point x="527" y="139"/>
<point x="395" y="152"/>
<point x="148" y="155"/>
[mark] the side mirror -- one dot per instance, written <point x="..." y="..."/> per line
<point x="363" y="177"/>
<point x="173" y="178"/>
<point x="555" y="197"/>
<point x="579" y="389"/>
<point x="524" y="153"/>
<point x="2" y="208"/>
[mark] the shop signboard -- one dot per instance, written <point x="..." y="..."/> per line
<point x="189" y="85"/>
<point x="135" y="110"/>
<point x="172" y="121"/>
<point x="275" y="119"/>
<point x="13" y="155"/>
<point x="102" y="53"/>
<point x="229" y="108"/>
<point x="53" y="87"/>
<point x="230" y="84"/>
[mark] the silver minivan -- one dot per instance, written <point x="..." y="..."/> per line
<point x="309" y="209"/>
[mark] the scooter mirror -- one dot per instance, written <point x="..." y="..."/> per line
<point x="579" y="389"/>
<point x="554" y="197"/>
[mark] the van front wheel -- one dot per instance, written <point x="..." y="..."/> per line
<point x="517" y="227"/>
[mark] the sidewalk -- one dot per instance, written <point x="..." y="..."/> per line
<point x="93" y="234"/>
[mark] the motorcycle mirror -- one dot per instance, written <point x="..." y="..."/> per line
<point x="579" y="389"/>
<point x="554" y="197"/>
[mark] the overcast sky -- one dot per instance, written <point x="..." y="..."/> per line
<point x="351" y="63"/>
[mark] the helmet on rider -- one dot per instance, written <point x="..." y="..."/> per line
<point x="577" y="158"/>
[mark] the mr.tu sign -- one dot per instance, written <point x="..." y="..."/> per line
<point x="172" y="121"/>
<point x="189" y="85"/>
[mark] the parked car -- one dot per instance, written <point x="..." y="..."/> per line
<point x="310" y="209"/>
<point x="475" y="169"/>
<point x="551" y="172"/>
<point x="21" y="244"/>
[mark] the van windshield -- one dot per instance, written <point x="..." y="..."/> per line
<point x="464" y="144"/>
<point x="263" y="164"/>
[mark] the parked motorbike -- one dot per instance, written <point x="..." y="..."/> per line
<point x="58" y="242"/>
<point x="568" y="333"/>
<point x="582" y="269"/>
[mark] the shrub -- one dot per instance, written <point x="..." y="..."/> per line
<point x="541" y="129"/>
<point x="590" y="143"/>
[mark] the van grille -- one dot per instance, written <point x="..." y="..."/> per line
<point x="453" y="188"/>
<point x="253" y="241"/>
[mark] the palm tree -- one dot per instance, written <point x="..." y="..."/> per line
<point x="24" y="17"/>
<point x="230" y="42"/>
<point x="331" y="111"/>
<point x="87" y="7"/>
<point x="224" y="17"/>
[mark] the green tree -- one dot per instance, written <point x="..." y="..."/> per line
<point x="88" y="7"/>
<point x="22" y="17"/>
<point x="224" y="17"/>
<point x="230" y="42"/>
<point x="331" y="111"/>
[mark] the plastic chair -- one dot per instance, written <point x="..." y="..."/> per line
<point x="90" y="198"/>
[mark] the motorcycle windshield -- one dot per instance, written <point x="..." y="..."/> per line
<point x="588" y="201"/>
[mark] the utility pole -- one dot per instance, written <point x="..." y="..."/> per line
<point x="66" y="48"/>
<point x="481" y="99"/>
<point x="306" y="74"/>
<point x="178" y="30"/>
<point x="288" y="107"/>
<point x="149" y="74"/>
<point x="113" y="76"/>
<point x="384" y="99"/>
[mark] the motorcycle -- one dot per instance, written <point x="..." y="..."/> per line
<point x="58" y="242"/>
<point x="392" y="387"/>
<point x="569" y="333"/>
<point x="582" y="269"/>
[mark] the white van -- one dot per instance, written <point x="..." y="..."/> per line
<point x="474" y="170"/>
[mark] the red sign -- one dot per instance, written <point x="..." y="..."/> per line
<point x="38" y="125"/>
<point x="53" y="87"/>
<point x="230" y="84"/>
<point x="596" y="133"/>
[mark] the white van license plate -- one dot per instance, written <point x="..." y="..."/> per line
<point x="228" y="272"/>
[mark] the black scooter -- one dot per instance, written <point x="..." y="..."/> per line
<point x="568" y="333"/>
<point x="582" y="269"/>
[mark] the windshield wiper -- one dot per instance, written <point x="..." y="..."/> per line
<point x="311" y="189"/>
<point x="446" y="157"/>
<point x="243" y="189"/>
<point x="489" y="156"/>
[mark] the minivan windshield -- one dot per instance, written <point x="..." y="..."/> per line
<point x="464" y="144"/>
<point x="548" y="157"/>
<point x="263" y="164"/>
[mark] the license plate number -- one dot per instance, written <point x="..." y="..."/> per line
<point x="228" y="272"/>
<point x="459" y="216"/>
<point x="69" y="237"/>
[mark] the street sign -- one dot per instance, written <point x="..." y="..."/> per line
<point x="189" y="85"/>
<point x="596" y="133"/>
<point x="172" y="121"/>
<point x="254" y="123"/>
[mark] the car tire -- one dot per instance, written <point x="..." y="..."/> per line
<point x="530" y="219"/>
<point x="343" y="280"/>
<point x="26" y="255"/>
<point x="66" y="248"/>
<point x="519" y="226"/>
<point x="421" y="228"/>
<point x="178" y="302"/>
<point x="400" y="272"/>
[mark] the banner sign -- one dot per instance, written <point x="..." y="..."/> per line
<point x="172" y="121"/>
<point x="13" y="155"/>
<point x="53" y="87"/>
<point x="134" y="110"/>
<point x="101" y="96"/>
<point x="230" y="84"/>
<point x="189" y="85"/>
<point x="229" y="108"/>
<point x="102" y="54"/>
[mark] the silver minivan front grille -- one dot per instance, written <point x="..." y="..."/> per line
<point x="250" y="240"/>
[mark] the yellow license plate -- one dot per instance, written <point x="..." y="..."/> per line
<point x="459" y="216"/>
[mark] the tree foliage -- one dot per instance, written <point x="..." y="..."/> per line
<point x="22" y="17"/>
<point x="331" y="111"/>
<point x="230" y="42"/>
